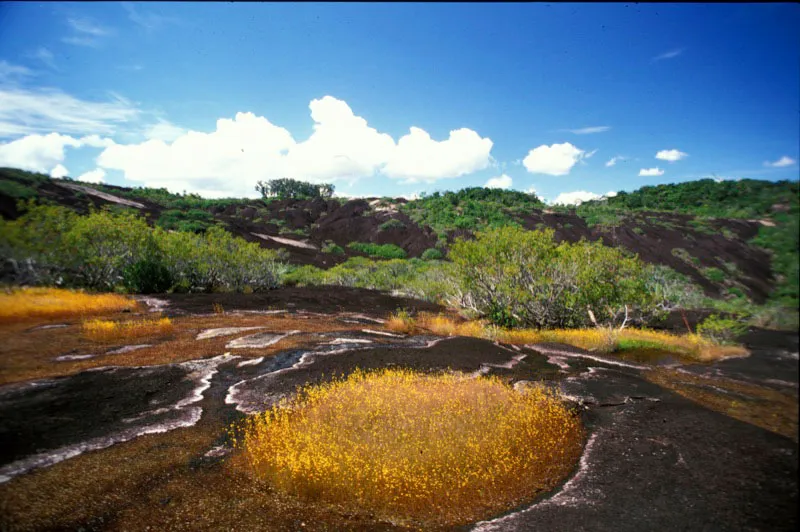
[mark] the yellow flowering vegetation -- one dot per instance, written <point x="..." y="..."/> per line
<point x="415" y="449"/>
<point x="25" y="303"/>
<point x="603" y="340"/>
<point x="110" y="331"/>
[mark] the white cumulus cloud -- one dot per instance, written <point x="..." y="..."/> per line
<point x="501" y="181"/>
<point x="248" y="148"/>
<point x="650" y="172"/>
<point x="579" y="196"/>
<point x="37" y="153"/>
<point x="557" y="159"/>
<point x="93" y="176"/>
<point x="575" y="198"/>
<point x="59" y="171"/>
<point x="781" y="163"/>
<point x="420" y="158"/>
<point x="671" y="155"/>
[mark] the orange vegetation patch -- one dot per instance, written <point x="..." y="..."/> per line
<point x="116" y="331"/>
<point x="415" y="449"/>
<point x="757" y="405"/>
<point x="51" y="303"/>
<point x="29" y="353"/>
<point x="603" y="340"/>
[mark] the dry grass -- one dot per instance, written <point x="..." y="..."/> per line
<point x="415" y="449"/>
<point x="692" y="346"/>
<point x="122" y="331"/>
<point x="51" y="303"/>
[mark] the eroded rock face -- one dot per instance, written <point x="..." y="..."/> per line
<point x="45" y="422"/>
<point x="259" y="340"/>
<point x="224" y="331"/>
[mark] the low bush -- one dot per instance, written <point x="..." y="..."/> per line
<point x="523" y="278"/>
<point x="385" y="251"/>
<point x="415" y="449"/>
<point x="333" y="249"/>
<point x="105" y="250"/>
<point x="391" y="224"/>
<point x="721" y="330"/>
<point x="432" y="254"/>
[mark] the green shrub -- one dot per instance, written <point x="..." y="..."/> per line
<point x="147" y="276"/>
<point x="386" y="251"/>
<point x="333" y="249"/>
<point x="432" y="254"/>
<point x="721" y="330"/>
<point x="714" y="275"/>
<point x="513" y="276"/>
<point x="391" y="224"/>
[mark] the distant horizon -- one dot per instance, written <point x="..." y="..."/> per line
<point x="570" y="101"/>
<point x="336" y="194"/>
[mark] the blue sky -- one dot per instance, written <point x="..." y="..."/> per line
<point x="212" y="97"/>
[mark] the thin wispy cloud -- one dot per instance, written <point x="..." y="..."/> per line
<point x="669" y="55"/>
<point x="148" y="20"/>
<point x="32" y="111"/>
<point x="10" y="73"/>
<point x="615" y="160"/>
<point x="86" y="32"/>
<point x="46" y="57"/>
<point x="589" y="130"/>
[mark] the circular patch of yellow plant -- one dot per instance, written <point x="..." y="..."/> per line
<point x="413" y="448"/>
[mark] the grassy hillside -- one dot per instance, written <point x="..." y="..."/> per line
<point x="736" y="240"/>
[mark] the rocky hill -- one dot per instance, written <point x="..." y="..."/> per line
<point x="719" y="254"/>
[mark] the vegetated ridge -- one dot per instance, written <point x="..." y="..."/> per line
<point x="730" y="237"/>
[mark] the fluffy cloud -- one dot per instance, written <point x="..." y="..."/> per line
<point x="248" y="148"/>
<point x="557" y="159"/>
<point x="93" y="176"/>
<point x="37" y="153"/>
<point x="420" y="158"/>
<point x="671" y="155"/>
<point x="26" y="112"/>
<point x="164" y="130"/>
<point x="650" y="172"/>
<point x="575" y="198"/>
<point x="501" y="181"/>
<point x="579" y="196"/>
<point x="781" y="163"/>
<point x="59" y="171"/>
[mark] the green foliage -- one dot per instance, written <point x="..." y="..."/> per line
<point x="391" y="224"/>
<point x="291" y="188"/>
<point x="333" y="249"/>
<point x="721" y="330"/>
<point x="386" y="251"/>
<point x="432" y="254"/>
<point x="519" y="277"/>
<point x="600" y="213"/>
<point x="714" y="275"/>
<point x="17" y="190"/>
<point x="745" y="198"/>
<point x="147" y="276"/>
<point x="471" y="208"/>
<point x="192" y="220"/>
<point x="783" y="241"/>
<point x="51" y="245"/>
